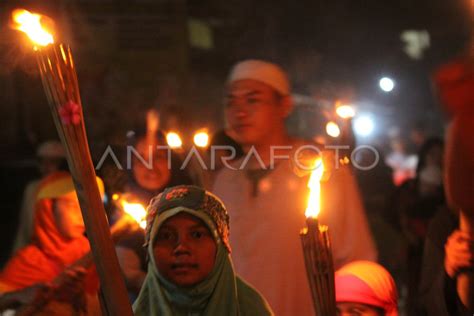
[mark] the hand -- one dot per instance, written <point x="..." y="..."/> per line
<point x="69" y="287"/>
<point x="459" y="253"/>
<point x="70" y="276"/>
<point x="31" y="294"/>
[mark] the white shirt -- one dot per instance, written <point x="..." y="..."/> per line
<point x="264" y="231"/>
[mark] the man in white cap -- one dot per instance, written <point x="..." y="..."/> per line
<point x="51" y="157"/>
<point x="266" y="199"/>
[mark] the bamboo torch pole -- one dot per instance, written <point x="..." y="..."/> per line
<point x="317" y="251"/>
<point x="60" y="83"/>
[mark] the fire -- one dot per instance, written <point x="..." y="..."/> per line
<point x="30" y="23"/>
<point x="344" y="161"/>
<point x="136" y="211"/>
<point x="314" y="185"/>
<point x="174" y="140"/>
<point x="345" y="111"/>
<point x="332" y="129"/>
<point x="201" y="139"/>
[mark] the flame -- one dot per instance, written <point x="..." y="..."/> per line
<point x="201" y="139"/>
<point x="174" y="140"/>
<point x="314" y="185"/>
<point x="136" y="211"/>
<point x="30" y="23"/>
<point x="332" y="129"/>
<point x="345" y="111"/>
<point x="344" y="161"/>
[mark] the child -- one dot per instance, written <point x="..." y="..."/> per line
<point x="190" y="271"/>
<point x="365" y="288"/>
<point x="144" y="182"/>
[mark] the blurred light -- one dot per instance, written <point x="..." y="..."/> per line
<point x="200" y="34"/>
<point x="386" y="84"/>
<point x="115" y="197"/>
<point x="344" y="161"/>
<point x="201" y="139"/>
<point x="174" y="140"/>
<point x="416" y="42"/>
<point x="364" y="125"/>
<point x="136" y="211"/>
<point x="332" y="129"/>
<point x="345" y="111"/>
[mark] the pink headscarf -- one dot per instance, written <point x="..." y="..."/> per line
<point x="368" y="283"/>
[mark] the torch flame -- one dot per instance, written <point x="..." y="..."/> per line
<point x="345" y="111"/>
<point x="30" y="23"/>
<point x="201" y="139"/>
<point x="174" y="140"/>
<point x="314" y="185"/>
<point x="136" y="211"/>
<point x="332" y="129"/>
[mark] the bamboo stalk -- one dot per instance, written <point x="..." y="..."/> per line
<point x="324" y="271"/>
<point x="331" y="275"/>
<point x="309" y="268"/>
<point x="319" y="267"/>
<point x="318" y="252"/>
<point x="324" y="263"/>
<point x="61" y="86"/>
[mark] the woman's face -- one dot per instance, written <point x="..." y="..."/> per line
<point x="185" y="250"/>
<point x="357" y="309"/>
<point x="154" y="175"/>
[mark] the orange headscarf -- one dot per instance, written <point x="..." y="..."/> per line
<point x="50" y="252"/>
<point x="368" y="283"/>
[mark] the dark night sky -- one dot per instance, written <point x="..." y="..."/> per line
<point x="344" y="42"/>
<point x="360" y="41"/>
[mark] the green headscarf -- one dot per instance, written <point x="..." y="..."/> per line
<point x="222" y="292"/>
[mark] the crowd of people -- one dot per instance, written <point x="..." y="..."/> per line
<point x="226" y="241"/>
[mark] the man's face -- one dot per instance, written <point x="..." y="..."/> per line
<point x="254" y="111"/>
<point x="48" y="165"/>
<point x="184" y="250"/>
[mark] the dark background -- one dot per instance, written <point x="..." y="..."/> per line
<point x="174" y="56"/>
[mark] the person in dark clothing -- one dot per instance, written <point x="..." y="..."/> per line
<point x="420" y="198"/>
<point x="415" y="202"/>
<point x="448" y="274"/>
<point x="438" y="284"/>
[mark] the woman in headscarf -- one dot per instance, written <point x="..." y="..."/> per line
<point x="189" y="270"/>
<point x="365" y="288"/>
<point x="147" y="177"/>
<point x="58" y="242"/>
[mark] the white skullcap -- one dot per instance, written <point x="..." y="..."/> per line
<point x="51" y="149"/>
<point x="265" y="72"/>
